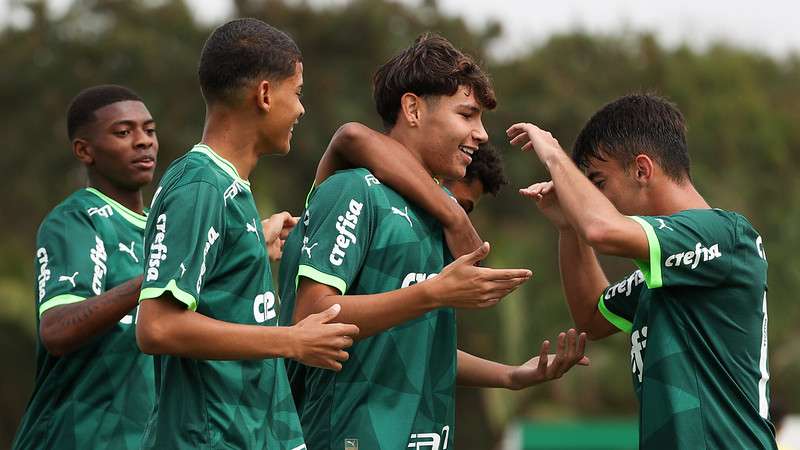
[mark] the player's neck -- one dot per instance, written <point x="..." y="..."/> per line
<point x="402" y="135"/>
<point x="126" y="197"/>
<point x="674" y="198"/>
<point x="232" y="138"/>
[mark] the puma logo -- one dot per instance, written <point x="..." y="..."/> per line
<point x="128" y="250"/>
<point x="251" y="228"/>
<point x="305" y="247"/>
<point x="403" y="212"/>
<point x="70" y="279"/>
<point x="663" y="225"/>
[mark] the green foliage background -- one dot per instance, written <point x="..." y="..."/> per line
<point x="743" y="111"/>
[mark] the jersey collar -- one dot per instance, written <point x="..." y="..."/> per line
<point x="222" y="163"/>
<point x="138" y="220"/>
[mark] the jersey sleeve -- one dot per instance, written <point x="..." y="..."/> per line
<point x="618" y="302"/>
<point x="338" y="233"/>
<point x="687" y="249"/>
<point x="182" y="242"/>
<point x="71" y="261"/>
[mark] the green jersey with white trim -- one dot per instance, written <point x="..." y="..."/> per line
<point x="396" y="390"/>
<point x="697" y="315"/>
<point x="100" y="395"/>
<point x="205" y="246"/>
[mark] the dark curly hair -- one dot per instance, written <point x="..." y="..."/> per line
<point x="487" y="166"/>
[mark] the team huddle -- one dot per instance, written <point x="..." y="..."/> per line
<point x="160" y="327"/>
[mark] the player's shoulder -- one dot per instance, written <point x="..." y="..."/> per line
<point x="193" y="172"/>
<point x="708" y="219"/>
<point x="353" y="182"/>
<point x="78" y="209"/>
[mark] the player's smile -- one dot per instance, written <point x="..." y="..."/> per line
<point x="468" y="151"/>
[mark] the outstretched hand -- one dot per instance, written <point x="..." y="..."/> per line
<point x="463" y="285"/>
<point x="545" y="367"/>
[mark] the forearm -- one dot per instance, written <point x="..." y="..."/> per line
<point x="473" y="371"/>
<point x="585" y="207"/>
<point x="355" y="145"/>
<point x="166" y="327"/>
<point x="66" y="328"/>
<point x="372" y="313"/>
<point x="583" y="282"/>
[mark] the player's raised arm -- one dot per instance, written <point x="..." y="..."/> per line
<point x="356" y="145"/>
<point x="588" y="211"/>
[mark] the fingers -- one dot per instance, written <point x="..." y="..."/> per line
<point x="328" y="315"/>
<point x="488" y="274"/>
<point x="347" y="330"/>
<point x="518" y="128"/>
<point x="477" y="255"/>
<point x="536" y="190"/>
<point x="544" y="358"/>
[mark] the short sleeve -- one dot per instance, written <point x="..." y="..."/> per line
<point x="70" y="261"/>
<point x="618" y="303"/>
<point x="687" y="249"/>
<point x="338" y="232"/>
<point x="182" y="242"/>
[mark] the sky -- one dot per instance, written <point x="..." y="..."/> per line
<point x="772" y="26"/>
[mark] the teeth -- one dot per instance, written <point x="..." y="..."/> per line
<point x="466" y="150"/>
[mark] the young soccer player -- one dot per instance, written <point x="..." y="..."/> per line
<point x="94" y="388"/>
<point x="696" y="310"/>
<point x="361" y="245"/>
<point x="208" y="308"/>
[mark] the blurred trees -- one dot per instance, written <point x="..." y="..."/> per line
<point x="742" y="108"/>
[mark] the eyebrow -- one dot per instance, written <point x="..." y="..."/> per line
<point x="471" y="108"/>
<point x="132" y="122"/>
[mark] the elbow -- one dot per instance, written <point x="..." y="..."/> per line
<point x="56" y="343"/>
<point x="346" y="134"/>
<point x="600" y="235"/>
<point x="595" y="234"/>
<point x="151" y="335"/>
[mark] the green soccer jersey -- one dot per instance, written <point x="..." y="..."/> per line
<point x="696" y="312"/>
<point x="396" y="390"/>
<point x="100" y="395"/>
<point x="205" y="247"/>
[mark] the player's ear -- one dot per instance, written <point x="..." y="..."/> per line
<point x="264" y="95"/>
<point x="83" y="151"/>
<point x="410" y="108"/>
<point x="643" y="168"/>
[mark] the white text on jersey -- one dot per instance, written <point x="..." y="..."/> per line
<point x="626" y="286"/>
<point x="44" y="272"/>
<point x="344" y="225"/>
<point x="212" y="237"/>
<point x="264" y="307"/>
<point x="98" y="257"/>
<point x="692" y="258"/>
<point x="158" y="251"/>
<point x="413" y="278"/>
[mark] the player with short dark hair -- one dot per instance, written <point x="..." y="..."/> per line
<point x="362" y="245"/>
<point x="94" y="388"/>
<point x="696" y="310"/>
<point x="484" y="175"/>
<point x="208" y="308"/>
